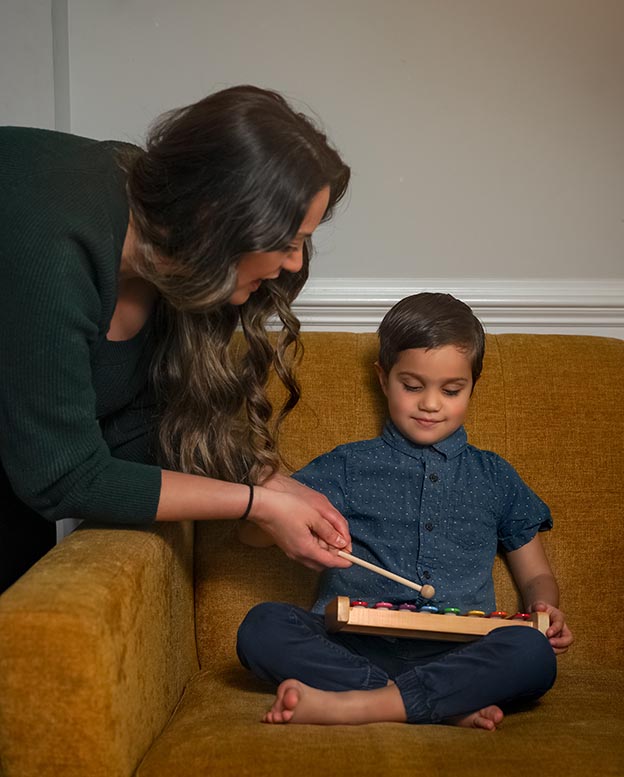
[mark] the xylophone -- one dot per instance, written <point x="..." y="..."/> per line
<point x="341" y="615"/>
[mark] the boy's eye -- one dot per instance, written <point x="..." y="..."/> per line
<point x="407" y="387"/>
<point x="451" y="392"/>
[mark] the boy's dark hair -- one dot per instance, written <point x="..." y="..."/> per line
<point x="429" y="320"/>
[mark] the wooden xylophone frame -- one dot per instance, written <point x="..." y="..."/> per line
<point x="340" y="616"/>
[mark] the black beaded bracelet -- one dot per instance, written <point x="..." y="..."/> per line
<point x="249" y="504"/>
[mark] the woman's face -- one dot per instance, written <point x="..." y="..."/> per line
<point x="257" y="266"/>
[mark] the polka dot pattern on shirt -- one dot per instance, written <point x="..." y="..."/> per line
<point x="433" y="514"/>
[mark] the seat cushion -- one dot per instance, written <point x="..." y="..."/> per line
<point x="574" y="730"/>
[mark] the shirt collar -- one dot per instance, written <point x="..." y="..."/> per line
<point x="449" y="447"/>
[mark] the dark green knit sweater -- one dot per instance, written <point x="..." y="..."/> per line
<point x="74" y="407"/>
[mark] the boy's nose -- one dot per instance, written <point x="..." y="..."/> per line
<point x="428" y="401"/>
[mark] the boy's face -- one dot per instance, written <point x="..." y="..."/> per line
<point x="428" y="392"/>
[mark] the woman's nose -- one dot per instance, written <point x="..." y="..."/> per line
<point x="294" y="261"/>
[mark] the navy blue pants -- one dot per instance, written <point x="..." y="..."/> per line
<point x="437" y="680"/>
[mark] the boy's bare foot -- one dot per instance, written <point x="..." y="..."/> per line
<point x="488" y="718"/>
<point x="296" y="702"/>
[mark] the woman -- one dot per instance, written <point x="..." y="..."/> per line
<point x="125" y="273"/>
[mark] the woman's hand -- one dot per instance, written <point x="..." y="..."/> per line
<point x="558" y="633"/>
<point x="302" y="522"/>
<point x="314" y="499"/>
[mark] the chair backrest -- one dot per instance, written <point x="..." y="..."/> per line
<point x="551" y="405"/>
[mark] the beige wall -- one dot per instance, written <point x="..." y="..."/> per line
<point x="486" y="137"/>
<point x="26" y="63"/>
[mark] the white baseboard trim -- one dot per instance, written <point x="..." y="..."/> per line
<point x="572" y="306"/>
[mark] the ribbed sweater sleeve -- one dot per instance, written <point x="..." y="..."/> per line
<point x="57" y="288"/>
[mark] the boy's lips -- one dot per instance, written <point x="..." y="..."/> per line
<point x="429" y="422"/>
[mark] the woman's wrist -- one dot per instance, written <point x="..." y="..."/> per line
<point x="249" y="531"/>
<point x="245" y="515"/>
<point x="194" y="497"/>
<point x="266" y="504"/>
<point x="255" y="510"/>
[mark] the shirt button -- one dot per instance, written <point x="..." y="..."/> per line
<point x="429" y="526"/>
<point x="426" y="574"/>
<point x="433" y="478"/>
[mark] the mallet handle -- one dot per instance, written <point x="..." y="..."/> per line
<point x="379" y="570"/>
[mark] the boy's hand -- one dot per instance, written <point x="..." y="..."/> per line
<point x="558" y="633"/>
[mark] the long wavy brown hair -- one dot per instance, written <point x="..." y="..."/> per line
<point x="231" y="174"/>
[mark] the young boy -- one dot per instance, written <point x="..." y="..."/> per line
<point x="428" y="506"/>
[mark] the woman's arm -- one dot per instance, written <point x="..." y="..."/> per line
<point x="300" y="526"/>
<point x="533" y="575"/>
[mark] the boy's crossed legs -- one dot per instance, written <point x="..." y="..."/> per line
<point x="351" y="678"/>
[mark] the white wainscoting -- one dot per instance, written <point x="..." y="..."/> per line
<point x="548" y="306"/>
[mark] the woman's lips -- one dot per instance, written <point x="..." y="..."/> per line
<point x="255" y="285"/>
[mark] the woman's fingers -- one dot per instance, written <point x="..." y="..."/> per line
<point x="327" y="523"/>
<point x="317" y="558"/>
<point x="326" y="530"/>
<point x="317" y="502"/>
<point x="303" y="543"/>
<point x="304" y="531"/>
<point x="339" y="523"/>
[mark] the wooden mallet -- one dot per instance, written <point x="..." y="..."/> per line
<point x="426" y="591"/>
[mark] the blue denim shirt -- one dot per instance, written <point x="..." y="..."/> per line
<point x="433" y="514"/>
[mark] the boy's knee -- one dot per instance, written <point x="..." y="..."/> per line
<point x="257" y="629"/>
<point x="533" y="652"/>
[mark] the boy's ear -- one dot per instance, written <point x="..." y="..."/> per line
<point x="383" y="377"/>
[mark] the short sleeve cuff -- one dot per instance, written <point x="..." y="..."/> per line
<point x="519" y="540"/>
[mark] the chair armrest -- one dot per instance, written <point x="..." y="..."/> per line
<point x="97" y="642"/>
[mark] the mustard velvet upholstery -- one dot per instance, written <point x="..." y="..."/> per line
<point x="100" y="641"/>
<point x="96" y="645"/>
